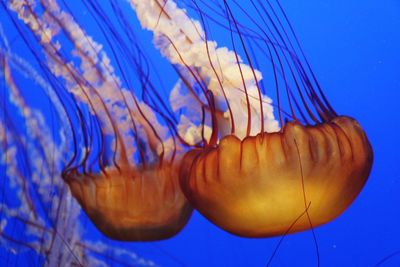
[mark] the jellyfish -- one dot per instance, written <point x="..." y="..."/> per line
<point x="252" y="177"/>
<point x="40" y="220"/>
<point x="259" y="183"/>
<point x="124" y="168"/>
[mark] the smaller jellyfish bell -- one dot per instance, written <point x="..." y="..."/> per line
<point x="135" y="194"/>
<point x="132" y="204"/>
<point x="131" y="201"/>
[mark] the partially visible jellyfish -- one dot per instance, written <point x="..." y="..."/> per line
<point x="38" y="215"/>
<point x="124" y="166"/>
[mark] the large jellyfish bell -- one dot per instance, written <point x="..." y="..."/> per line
<point x="259" y="180"/>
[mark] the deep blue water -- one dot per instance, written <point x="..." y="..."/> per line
<point x="353" y="49"/>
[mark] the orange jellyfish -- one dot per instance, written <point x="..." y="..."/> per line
<point x="134" y="193"/>
<point x="263" y="185"/>
<point x="130" y="202"/>
<point x="124" y="165"/>
<point x="259" y="182"/>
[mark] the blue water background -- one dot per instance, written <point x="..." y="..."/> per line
<point x="353" y="49"/>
